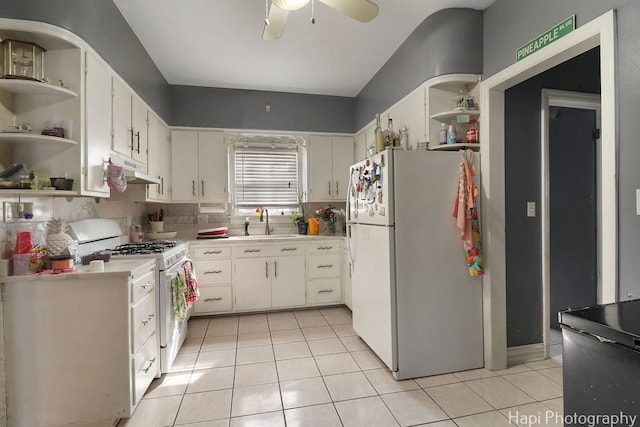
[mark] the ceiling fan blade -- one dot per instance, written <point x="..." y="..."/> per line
<point x="277" y="19"/>
<point x="360" y="10"/>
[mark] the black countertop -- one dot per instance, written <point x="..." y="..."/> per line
<point x="619" y="322"/>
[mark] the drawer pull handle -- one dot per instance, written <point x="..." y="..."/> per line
<point x="248" y="251"/>
<point x="148" y="284"/>
<point x="144" y="322"/>
<point x="324" y="248"/>
<point x="213" y="272"/>
<point x="325" y="266"/>
<point x="212" y="252"/>
<point x="325" y="291"/>
<point x="151" y="362"/>
<point x="151" y="316"/>
<point x="288" y="249"/>
<point x="213" y="299"/>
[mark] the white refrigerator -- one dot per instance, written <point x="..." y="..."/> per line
<point x="413" y="301"/>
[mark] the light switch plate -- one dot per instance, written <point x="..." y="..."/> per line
<point x="531" y="209"/>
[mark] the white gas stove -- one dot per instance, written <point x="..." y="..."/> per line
<point x="102" y="236"/>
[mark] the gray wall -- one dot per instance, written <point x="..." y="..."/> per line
<point x="522" y="169"/>
<point x="526" y="19"/>
<point x="100" y="24"/>
<point x="447" y="42"/>
<point x="245" y="109"/>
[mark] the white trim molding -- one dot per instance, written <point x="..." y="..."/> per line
<point x="598" y="32"/>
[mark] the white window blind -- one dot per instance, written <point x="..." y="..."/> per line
<point x="266" y="176"/>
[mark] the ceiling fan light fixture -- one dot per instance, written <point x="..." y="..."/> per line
<point x="290" y="5"/>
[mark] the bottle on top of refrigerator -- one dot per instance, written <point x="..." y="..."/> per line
<point x="442" y="135"/>
<point x="404" y="138"/>
<point x="379" y="134"/>
<point x="452" y="135"/>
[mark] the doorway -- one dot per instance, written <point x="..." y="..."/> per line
<point x="571" y="238"/>
<point x="598" y="32"/>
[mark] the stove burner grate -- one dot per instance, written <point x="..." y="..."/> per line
<point x="156" y="247"/>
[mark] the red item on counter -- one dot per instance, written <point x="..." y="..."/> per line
<point x="24" y="243"/>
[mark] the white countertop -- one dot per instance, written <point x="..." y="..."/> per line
<point x="113" y="268"/>
<point x="263" y="238"/>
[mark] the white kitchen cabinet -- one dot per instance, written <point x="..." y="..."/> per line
<point x="362" y="142"/>
<point x="198" y="166"/>
<point x="288" y="284"/>
<point x="130" y="125"/>
<point x="410" y="112"/>
<point x="329" y="161"/>
<point x="346" y="278"/>
<point x="159" y="160"/>
<point x="324" y="272"/>
<point x="82" y="348"/>
<point x="252" y="285"/>
<point x="214" y="269"/>
<point x="98" y="124"/>
<point x="269" y="276"/>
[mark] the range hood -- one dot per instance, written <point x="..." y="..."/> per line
<point x="135" y="177"/>
<point x="133" y="171"/>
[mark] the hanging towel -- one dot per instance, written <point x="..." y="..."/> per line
<point x="466" y="214"/>
<point x="192" y="292"/>
<point x="179" y="296"/>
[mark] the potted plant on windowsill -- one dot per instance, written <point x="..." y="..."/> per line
<point x="299" y="221"/>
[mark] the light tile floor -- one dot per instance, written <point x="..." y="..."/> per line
<point x="308" y="368"/>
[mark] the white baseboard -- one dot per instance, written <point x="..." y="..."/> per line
<point x="525" y="353"/>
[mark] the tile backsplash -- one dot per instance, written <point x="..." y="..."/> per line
<point x="180" y="217"/>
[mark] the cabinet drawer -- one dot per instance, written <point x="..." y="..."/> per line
<point x="251" y="251"/>
<point x="145" y="366"/>
<point x="210" y="252"/>
<point x="213" y="272"/>
<point x="143" y="321"/>
<point x="322" y="291"/>
<point x="284" y="249"/>
<point x="212" y="299"/>
<point x="324" y="265"/>
<point x="142" y="285"/>
<point x="324" y="246"/>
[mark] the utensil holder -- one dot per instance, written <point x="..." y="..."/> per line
<point x="157" y="226"/>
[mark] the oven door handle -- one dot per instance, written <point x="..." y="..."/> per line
<point x="176" y="267"/>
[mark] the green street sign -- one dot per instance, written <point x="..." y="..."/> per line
<point x="546" y="38"/>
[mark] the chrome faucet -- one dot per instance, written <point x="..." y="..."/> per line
<point x="267" y="231"/>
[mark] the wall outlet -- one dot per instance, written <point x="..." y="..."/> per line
<point x="203" y="219"/>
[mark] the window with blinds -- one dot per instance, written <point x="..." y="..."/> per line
<point x="266" y="176"/>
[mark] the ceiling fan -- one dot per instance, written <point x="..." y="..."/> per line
<point x="360" y="10"/>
